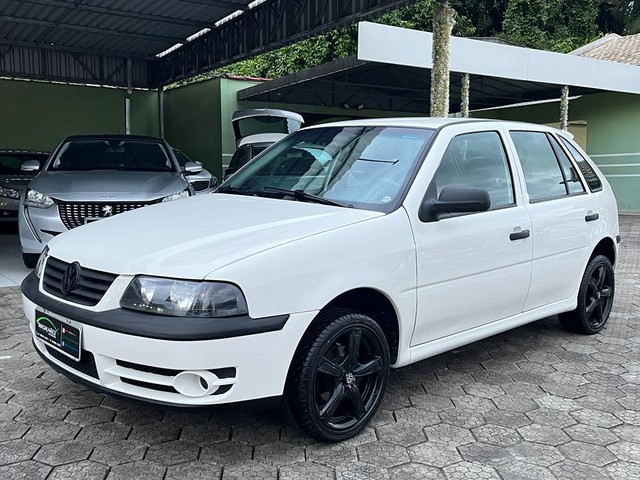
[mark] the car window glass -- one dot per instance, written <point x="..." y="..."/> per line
<point x="239" y="158"/>
<point x="477" y="160"/>
<point x="587" y="170"/>
<point x="541" y="170"/>
<point x="572" y="179"/>
<point x="181" y="157"/>
<point x="112" y="154"/>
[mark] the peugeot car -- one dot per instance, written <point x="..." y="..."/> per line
<point x="89" y="178"/>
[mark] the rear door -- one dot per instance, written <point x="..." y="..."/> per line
<point x="564" y="216"/>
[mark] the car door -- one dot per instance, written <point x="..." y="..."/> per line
<point x="472" y="269"/>
<point x="565" y="218"/>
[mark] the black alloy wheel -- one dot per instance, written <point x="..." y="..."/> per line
<point x="339" y="377"/>
<point x="595" y="298"/>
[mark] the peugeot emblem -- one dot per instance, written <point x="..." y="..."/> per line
<point x="107" y="211"/>
<point x="70" y="278"/>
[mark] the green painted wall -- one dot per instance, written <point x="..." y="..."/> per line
<point x="613" y="138"/>
<point x="36" y="115"/>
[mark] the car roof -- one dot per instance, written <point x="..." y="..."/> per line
<point x="114" y="137"/>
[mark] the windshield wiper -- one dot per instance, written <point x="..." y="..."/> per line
<point x="304" y="196"/>
<point x="392" y="162"/>
<point x="236" y="191"/>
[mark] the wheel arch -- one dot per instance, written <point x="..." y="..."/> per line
<point x="606" y="247"/>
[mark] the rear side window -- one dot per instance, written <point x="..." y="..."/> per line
<point x="572" y="179"/>
<point x="542" y="172"/>
<point x="587" y="170"/>
<point x="477" y="160"/>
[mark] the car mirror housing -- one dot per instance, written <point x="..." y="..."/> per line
<point x="454" y="199"/>
<point x="192" y="168"/>
<point x="30" y="166"/>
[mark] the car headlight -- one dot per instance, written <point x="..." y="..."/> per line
<point x="180" y="298"/>
<point x="177" y="196"/>
<point x="9" y="193"/>
<point x="41" y="261"/>
<point x="36" y="199"/>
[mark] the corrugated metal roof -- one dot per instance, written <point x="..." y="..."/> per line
<point x="141" y="28"/>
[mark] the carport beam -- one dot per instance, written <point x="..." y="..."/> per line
<point x="127" y="100"/>
<point x="161" y="111"/>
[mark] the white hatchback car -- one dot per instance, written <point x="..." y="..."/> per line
<point x="310" y="280"/>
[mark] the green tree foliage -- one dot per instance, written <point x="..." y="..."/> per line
<point x="619" y="16"/>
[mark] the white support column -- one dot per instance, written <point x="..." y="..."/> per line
<point x="464" y="101"/>
<point x="442" y="26"/>
<point x="127" y="100"/>
<point x="564" y="108"/>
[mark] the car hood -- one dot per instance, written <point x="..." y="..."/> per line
<point x="108" y="185"/>
<point x="191" y="238"/>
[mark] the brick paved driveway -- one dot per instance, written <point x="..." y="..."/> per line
<point x="534" y="403"/>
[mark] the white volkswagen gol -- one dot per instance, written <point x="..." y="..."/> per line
<point x="342" y="251"/>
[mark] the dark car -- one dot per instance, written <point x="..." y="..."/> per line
<point x="13" y="180"/>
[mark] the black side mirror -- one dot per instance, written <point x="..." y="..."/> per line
<point x="454" y="199"/>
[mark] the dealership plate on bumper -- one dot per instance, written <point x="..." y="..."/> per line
<point x="61" y="334"/>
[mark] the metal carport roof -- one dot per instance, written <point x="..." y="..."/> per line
<point x="106" y="41"/>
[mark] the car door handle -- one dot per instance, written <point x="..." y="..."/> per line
<point x="592" y="217"/>
<point x="520" y="235"/>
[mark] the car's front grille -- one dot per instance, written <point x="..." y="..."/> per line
<point x="86" y="365"/>
<point x="200" y="185"/>
<point x="75" y="214"/>
<point x="89" y="289"/>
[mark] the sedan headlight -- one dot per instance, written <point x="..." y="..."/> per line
<point x="36" y="199"/>
<point x="177" y="196"/>
<point x="9" y="193"/>
<point x="180" y="298"/>
<point x="41" y="261"/>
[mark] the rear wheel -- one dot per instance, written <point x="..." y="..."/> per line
<point x="338" y="377"/>
<point x="30" y="260"/>
<point x="595" y="298"/>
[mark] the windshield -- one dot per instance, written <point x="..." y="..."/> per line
<point x="361" y="167"/>
<point x="112" y="154"/>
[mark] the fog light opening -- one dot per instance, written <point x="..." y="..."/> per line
<point x="196" y="384"/>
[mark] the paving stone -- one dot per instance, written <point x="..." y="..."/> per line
<point x="104" y="433"/>
<point x="628" y="433"/>
<point x="434" y="454"/>
<point x="306" y="470"/>
<point x="42" y="413"/>
<point x="15" y="451"/>
<point x="623" y="470"/>
<point x="51" y="432"/>
<point x="172" y="453"/>
<point x="401" y="433"/>
<point x="81" y="399"/>
<point x="226" y="453"/>
<point x="472" y="403"/>
<point x="570" y="470"/>
<point x="627" y="451"/>
<point x="515" y="403"/>
<point x="447" y="434"/>
<point x="462" y="418"/>
<point x="60" y="453"/>
<point x="90" y="416"/>
<point x="551" y="418"/>
<point x="505" y="418"/>
<point x="206" y="432"/>
<point x="595" y="418"/>
<point x="600" y="403"/>
<point x="414" y="471"/>
<point x="28" y="470"/>
<point x="249" y="471"/>
<point x="631" y="417"/>
<point x="137" y="416"/>
<point x="535" y="454"/>
<point x="520" y="389"/>
<point x="485" y="454"/>
<point x="497" y="435"/>
<point x="361" y="471"/>
<point x="470" y="471"/>
<point x="367" y="435"/>
<point x="279" y="453"/>
<point x="587" y="453"/>
<point x="152" y="433"/>
<point x="332" y="454"/>
<point x="139" y="470"/>
<point x="12" y="430"/>
<point x="544" y="434"/>
<point x="382" y="454"/>
<point x="433" y="403"/>
<point x="524" y="471"/>
<point x="119" y="452"/>
<point x="557" y="403"/>
<point x="588" y="434"/>
<point x="81" y="470"/>
<point x="483" y="390"/>
<point x="194" y="471"/>
<point x="445" y="389"/>
<point x="256" y="434"/>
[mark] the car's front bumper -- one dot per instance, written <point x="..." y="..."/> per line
<point x="37" y="226"/>
<point x="249" y="366"/>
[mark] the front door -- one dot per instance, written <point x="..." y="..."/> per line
<point x="473" y="269"/>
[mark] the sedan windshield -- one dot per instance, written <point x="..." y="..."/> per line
<point x="112" y="154"/>
<point x="361" y="167"/>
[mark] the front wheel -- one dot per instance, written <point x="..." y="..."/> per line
<point x="338" y="377"/>
<point x="595" y="298"/>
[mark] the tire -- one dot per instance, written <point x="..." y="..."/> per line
<point x="30" y="260"/>
<point x="595" y="299"/>
<point x="338" y="376"/>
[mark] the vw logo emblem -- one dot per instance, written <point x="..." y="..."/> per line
<point x="107" y="211"/>
<point x="70" y="278"/>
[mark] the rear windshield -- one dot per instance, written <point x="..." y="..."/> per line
<point x="112" y="154"/>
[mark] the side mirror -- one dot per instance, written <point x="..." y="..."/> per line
<point x="30" y="166"/>
<point x="191" y="168"/>
<point x="454" y="199"/>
